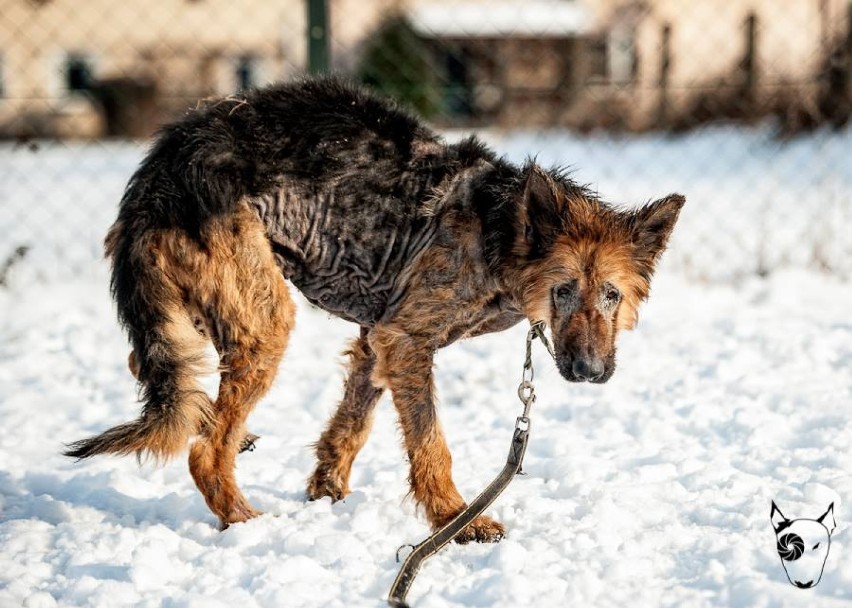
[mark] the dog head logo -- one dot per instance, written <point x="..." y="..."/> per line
<point x="803" y="545"/>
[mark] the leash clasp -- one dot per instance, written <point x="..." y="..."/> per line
<point x="400" y="548"/>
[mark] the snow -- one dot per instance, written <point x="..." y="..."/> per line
<point x="501" y="19"/>
<point x="651" y="490"/>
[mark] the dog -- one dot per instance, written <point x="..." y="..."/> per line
<point x="803" y="545"/>
<point x="375" y="219"/>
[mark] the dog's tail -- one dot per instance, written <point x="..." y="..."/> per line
<point x="169" y="351"/>
<point x="195" y="172"/>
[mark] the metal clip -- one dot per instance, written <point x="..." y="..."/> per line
<point x="400" y="548"/>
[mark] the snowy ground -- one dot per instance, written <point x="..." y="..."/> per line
<point x="651" y="490"/>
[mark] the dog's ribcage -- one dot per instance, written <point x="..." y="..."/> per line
<point x="347" y="245"/>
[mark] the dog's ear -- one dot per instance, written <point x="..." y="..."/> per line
<point x="650" y="228"/>
<point x="827" y="519"/>
<point x="779" y="522"/>
<point x="541" y="216"/>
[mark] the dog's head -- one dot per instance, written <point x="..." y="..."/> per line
<point x="803" y="545"/>
<point x="586" y="267"/>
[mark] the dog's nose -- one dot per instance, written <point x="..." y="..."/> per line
<point x="802" y="585"/>
<point x="588" y="369"/>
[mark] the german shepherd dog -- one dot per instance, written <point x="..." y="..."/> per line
<point x="375" y="219"/>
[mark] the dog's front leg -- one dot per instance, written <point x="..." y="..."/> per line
<point x="404" y="365"/>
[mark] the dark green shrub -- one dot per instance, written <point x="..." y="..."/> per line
<point x="397" y="63"/>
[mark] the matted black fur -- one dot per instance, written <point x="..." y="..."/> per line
<point x="342" y="179"/>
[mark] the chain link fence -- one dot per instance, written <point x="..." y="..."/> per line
<point x="742" y="105"/>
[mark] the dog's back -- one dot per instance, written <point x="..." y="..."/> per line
<point x="341" y="180"/>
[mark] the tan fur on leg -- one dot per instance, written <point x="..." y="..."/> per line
<point x="404" y="364"/>
<point x="348" y="429"/>
<point x="249" y="314"/>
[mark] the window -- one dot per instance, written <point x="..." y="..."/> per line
<point x="77" y="73"/>
<point x="598" y="59"/>
<point x="245" y="72"/>
<point x="623" y="59"/>
<point x="613" y="58"/>
<point x="233" y="74"/>
<point x="458" y="98"/>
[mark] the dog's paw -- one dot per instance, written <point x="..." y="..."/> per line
<point x="239" y="513"/>
<point x="325" y="483"/>
<point x="483" y="529"/>
<point x="247" y="444"/>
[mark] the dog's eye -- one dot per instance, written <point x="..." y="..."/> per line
<point x="815" y="547"/>
<point x="565" y="296"/>
<point x="611" y="295"/>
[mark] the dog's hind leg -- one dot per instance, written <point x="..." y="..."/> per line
<point x="348" y="429"/>
<point x="250" y="314"/>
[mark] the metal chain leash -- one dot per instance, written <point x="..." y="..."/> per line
<point x="526" y="390"/>
<point x="514" y="462"/>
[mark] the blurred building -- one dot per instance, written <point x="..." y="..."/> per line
<point x="101" y="67"/>
<point x="639" y="64"/>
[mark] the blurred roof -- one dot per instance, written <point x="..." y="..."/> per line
<point x="501" y="18"/>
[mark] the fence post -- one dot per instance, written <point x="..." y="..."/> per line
<point x="317" y="36"/>
<point x="847" y="55"/>
<point x="749" y="62"/>
<point x="665" y="67"/>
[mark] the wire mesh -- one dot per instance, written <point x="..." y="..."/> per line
<point x="741" y="105"/>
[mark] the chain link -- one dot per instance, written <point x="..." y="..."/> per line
<point x="526" y="389"/>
